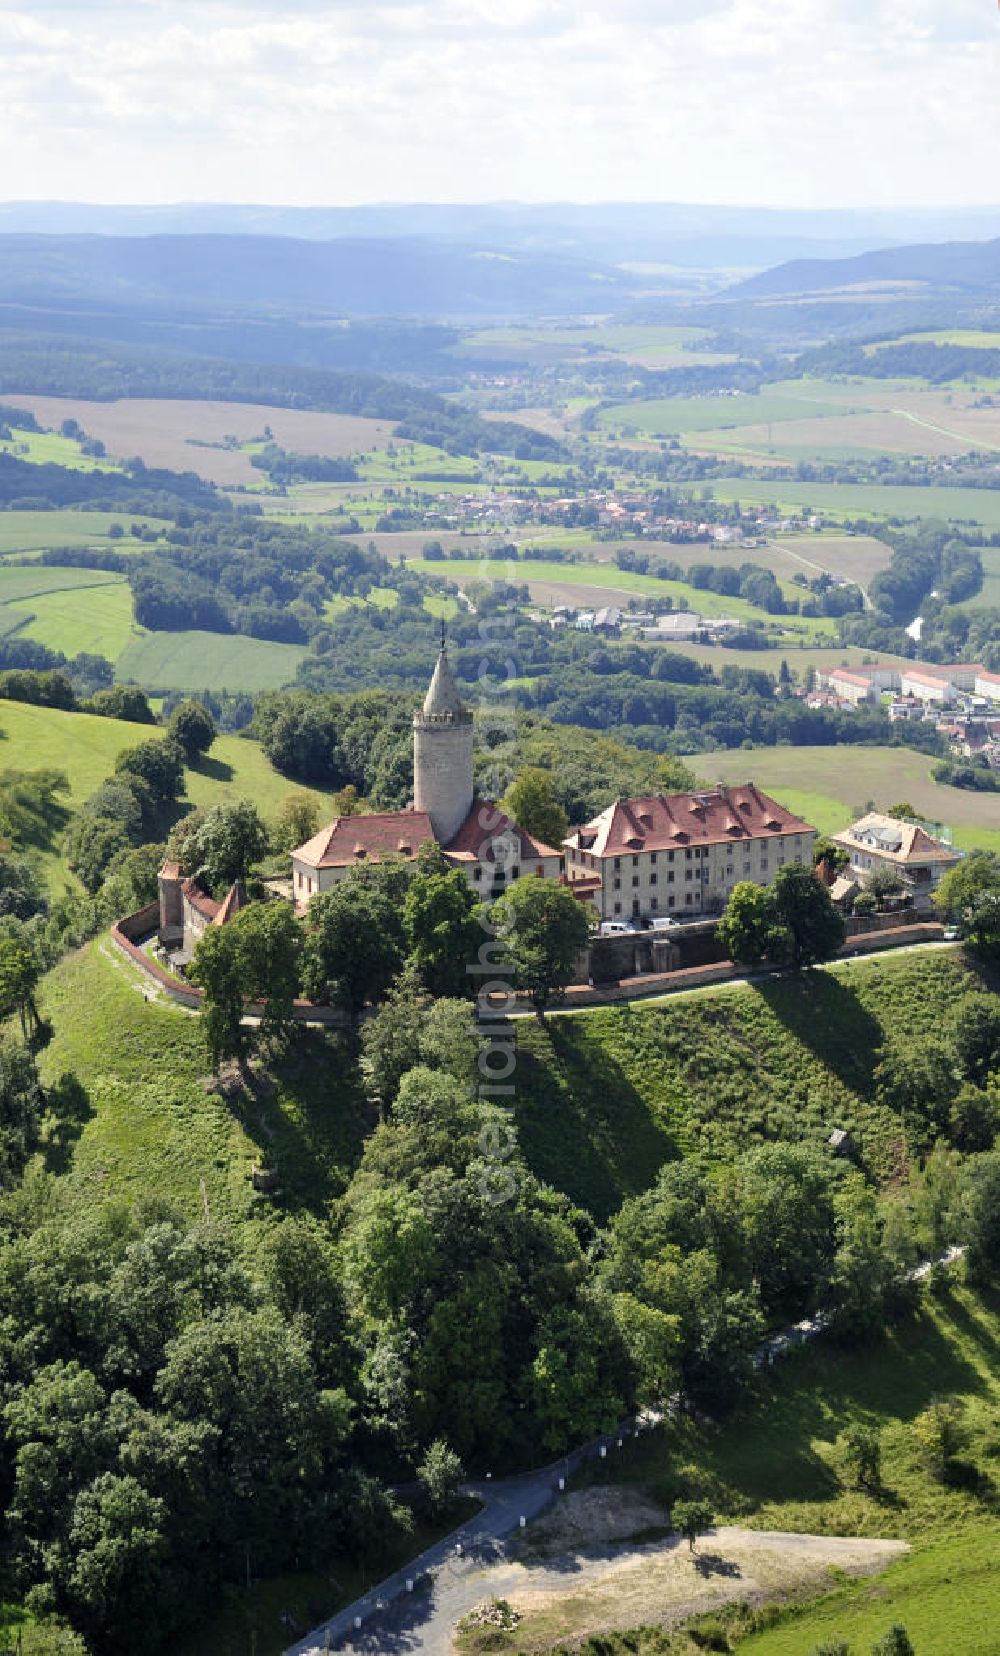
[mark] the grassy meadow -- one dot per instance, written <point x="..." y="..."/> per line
<point x="85" y="748"/>
<point x="91" y="618"/>
<point x="830" y="786"/>
<point x="876" y="500"/>
<point x="150" y="1128"/>
<point x="49" y="448"/>
<point x="27" y="531"/>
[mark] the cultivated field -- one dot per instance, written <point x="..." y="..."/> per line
<point x="830" y="786"/>
<point x="207" y="661"/>
<point x="667" y="416"/>
<point x="171" y="433"/>
<point x="855" y="500"/>
<point x="39" y="531"/>
<point x="800" y="656"/>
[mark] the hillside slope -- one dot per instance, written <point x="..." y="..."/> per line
<point x="963" y="266"/>
<point x="602" y="1099"/>
<point x="85" y="749"/>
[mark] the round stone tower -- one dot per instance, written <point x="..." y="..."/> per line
<point x="442" y="754"/>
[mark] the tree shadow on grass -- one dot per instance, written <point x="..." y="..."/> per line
<point x="306" y="1111"/>
<point x="827" y="1016"/>
<point x="710" y="1564"/>
<point x="582" y="1124"/>
<point x="974" y="1328"/>
<point x="68" y="1109"/>
<point x="214" y="770"/>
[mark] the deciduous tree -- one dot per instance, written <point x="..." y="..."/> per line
<point x="691" y="1519"/>
<point x="545" y="930"/>
<point x="531" y="802"/>
<point x="192" y="728"/>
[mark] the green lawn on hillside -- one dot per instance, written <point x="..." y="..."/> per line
<point x="85" y="748"/>
<point x="150" y="1129"/>
<point x="603" y="1098"/>
<point x="830" y="786"/>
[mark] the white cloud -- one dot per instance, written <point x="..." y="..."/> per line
<point x="812" y="102"/>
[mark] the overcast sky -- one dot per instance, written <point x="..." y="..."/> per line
<point x="790" y="102"/>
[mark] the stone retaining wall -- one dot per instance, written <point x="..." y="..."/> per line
<point x="124" y="935"/>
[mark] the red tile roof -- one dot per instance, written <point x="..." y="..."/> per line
<point x="486" y="823"/>
<point x="350" y="840"/>
<point x="664" y="822"/>
<point x="200" y="901"/>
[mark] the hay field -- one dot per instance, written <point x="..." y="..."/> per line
<point x="159" y="430"/>
<point x="829" y="786"/>
<point x="95" y="619"/>
<point x="207" y="661"/>
<point x="789" y="400"/>
<point x="837" y="437"/>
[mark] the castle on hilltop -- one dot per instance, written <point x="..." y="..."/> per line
<point x="474" y="834"/>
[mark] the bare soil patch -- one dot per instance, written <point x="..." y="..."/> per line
<point x="577" y="1596"/>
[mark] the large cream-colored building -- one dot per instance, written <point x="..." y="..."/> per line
<point x="473" y="833"/>
<point x="680" y="855"/>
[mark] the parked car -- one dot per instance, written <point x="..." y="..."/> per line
<point x="664" y="922"/>
<point x="614" y="928"/>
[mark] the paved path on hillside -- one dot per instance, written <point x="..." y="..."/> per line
<point x="471" y="1547"/>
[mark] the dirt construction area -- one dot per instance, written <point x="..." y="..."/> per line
<point x="605" y="1560"/>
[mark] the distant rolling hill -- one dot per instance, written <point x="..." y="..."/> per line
<point x="272" y="276"/>
<point x="952" y="267"/>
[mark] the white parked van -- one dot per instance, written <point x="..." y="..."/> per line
<point x="614" y="928"/>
